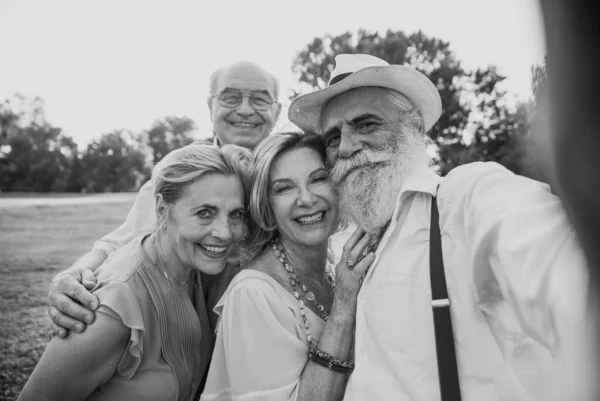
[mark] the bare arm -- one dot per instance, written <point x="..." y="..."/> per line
<point x="71" y="304"/>
<point x="318" y="382"/>
<point x="72" y="368"/>
<point x="258" y="347"/>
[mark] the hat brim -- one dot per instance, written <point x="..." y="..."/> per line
<point x="305" y="111"/>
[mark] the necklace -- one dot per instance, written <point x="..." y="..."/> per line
<point x="162" y="266"/>
<point x="173" y="302"/>
<point x="297" y="284"/>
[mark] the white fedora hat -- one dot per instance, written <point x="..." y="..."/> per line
<point x="358" y="70"/>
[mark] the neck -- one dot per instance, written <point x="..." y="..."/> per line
<point x="306" y="260"/>
<point x="168" y="262"/>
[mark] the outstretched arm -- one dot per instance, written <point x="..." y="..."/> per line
<point x="72" y="368"/>
<point x="521" y="247"/>
<point x="71" y="304"/>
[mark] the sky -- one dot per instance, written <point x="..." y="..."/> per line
<point x="110" y="64"/>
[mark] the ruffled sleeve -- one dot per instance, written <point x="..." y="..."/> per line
<point x="258" y="353"/>
<point x="119" y="301"/>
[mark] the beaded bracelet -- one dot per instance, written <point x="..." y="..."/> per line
<point x="330" y="362"/>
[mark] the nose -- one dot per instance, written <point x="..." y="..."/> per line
<point x="306" y="197"/>
<point x="349" y="145"/>
<point x="245" y="107"/>
<point x="221" y="229"/>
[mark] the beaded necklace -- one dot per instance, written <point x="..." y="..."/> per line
<point x="297" y="284"/>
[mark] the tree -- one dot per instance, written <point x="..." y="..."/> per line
<point x="169" y="134"/>
<point x="34" y="155"/>
<point x="39" y="159"/>
<point x="476" y="123"/>
<point x="115" y="162"/>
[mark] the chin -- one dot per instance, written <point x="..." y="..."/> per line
<point x="318" y="238"/>
<point x="212" y="267"/>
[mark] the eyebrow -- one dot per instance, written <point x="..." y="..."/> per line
<point x="354" y="121"/>
<point x="263" y="91"/>
<point x="318" y="170"/>
<point x="213" y="207"/>
<point x="204" y="206"/>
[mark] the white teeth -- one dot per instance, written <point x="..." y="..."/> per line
<point x="215" y="250"/>
<point x="311" y="219"/>
<point x="244" y="125"/>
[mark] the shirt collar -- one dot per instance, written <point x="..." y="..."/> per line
<point x="423" y="180"/>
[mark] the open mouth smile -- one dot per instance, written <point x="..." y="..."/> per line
<point x="213" y="251"/>
<point x="311" y="219"/>
<point x="245" y="126"/>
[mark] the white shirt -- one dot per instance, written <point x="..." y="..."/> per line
<point x="516" y="277"/>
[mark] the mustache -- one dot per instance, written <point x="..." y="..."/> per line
<point x="366" y="158"/>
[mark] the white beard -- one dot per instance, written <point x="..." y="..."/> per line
<point x="368" y="194"/>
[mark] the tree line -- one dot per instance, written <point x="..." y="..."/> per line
<point x="38" y="157"/>
<point x="479" y="121"/>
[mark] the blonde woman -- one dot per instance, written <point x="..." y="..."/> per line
<point x="152" y="339"/>
<point x="286" y="327"/>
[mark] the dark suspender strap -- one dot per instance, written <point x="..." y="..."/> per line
<point x="444" y="337"/>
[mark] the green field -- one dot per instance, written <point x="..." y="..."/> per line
<point x="36" y="242"/>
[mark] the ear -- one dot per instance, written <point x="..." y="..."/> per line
<point x="209" y="103"/>
<point x="162" y="209"/>
<point x="278" y="111"/>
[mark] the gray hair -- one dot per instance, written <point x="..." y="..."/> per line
<point x="409" y="115"/>
<point x="214" y="77"/>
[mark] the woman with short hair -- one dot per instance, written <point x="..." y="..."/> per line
<point x="151" y="339"/>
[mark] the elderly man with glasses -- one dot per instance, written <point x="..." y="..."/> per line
<point x="244" y="107"/>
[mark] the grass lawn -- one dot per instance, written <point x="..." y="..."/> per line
<point x="36" y="242"/>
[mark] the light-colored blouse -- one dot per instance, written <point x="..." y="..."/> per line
<point x="170" y="342"/>
<point x="261" y="347"/>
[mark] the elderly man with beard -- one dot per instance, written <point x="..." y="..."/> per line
<point x="478" y="280"/>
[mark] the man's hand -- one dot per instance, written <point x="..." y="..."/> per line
<point x="72" y="305"/>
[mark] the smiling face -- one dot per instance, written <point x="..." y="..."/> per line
<point x="205" y="223"/>
<point x="374" y="142"/>
<point x="302" y="197"/>
<point x="243" y="125"/>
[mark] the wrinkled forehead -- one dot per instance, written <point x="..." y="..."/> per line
<point x="246" y="78"/>
<point x="355" y="102"/>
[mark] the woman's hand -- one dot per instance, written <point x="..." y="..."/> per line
<point x="350" y="271"/>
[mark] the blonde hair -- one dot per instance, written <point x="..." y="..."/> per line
<point x="263" y="226"/>
<point x="184" y="166"/>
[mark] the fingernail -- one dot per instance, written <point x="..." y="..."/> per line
<point x="62" y="333"/>
<point x="87" y="319"/>
<point x="93" y="304"/>
<point x="79" y="327"/>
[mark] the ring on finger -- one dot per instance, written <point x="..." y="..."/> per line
<point x="350" y="264"/>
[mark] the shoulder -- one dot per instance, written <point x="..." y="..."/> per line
<point x="468" y="174"/>
<point x="122" y="264"/>
<point x="489" y="182"/>
<point x="482" y="173"/>
<point x="255" y="290"/>
<point x="255" y="281"/>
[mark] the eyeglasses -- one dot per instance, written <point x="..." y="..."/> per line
<point x="260" y="101"/>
